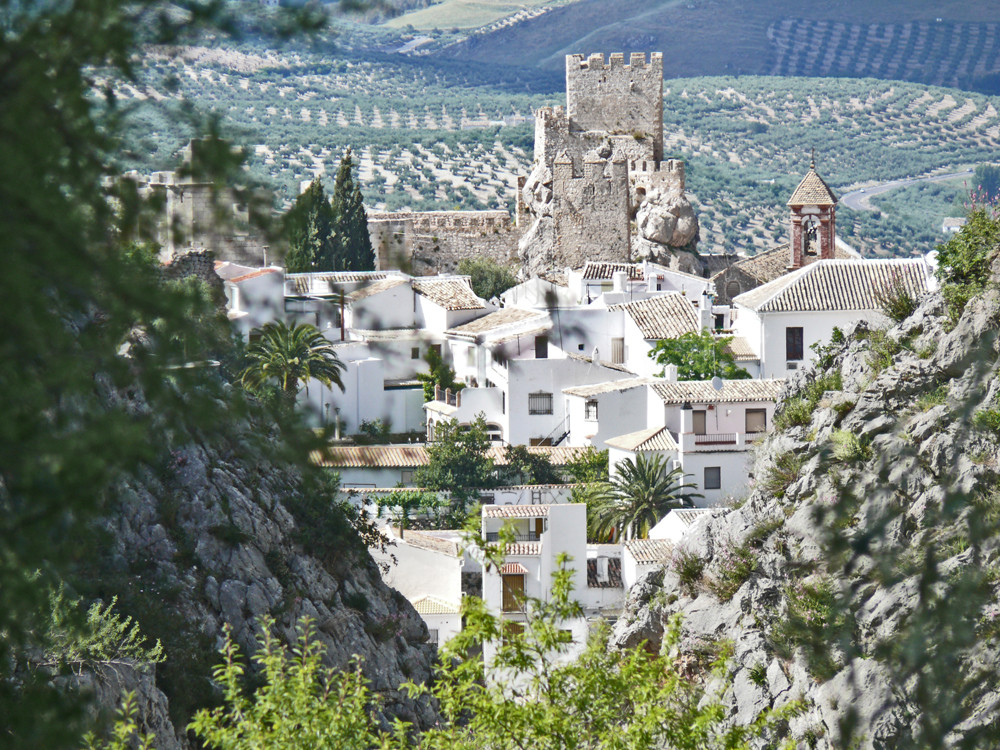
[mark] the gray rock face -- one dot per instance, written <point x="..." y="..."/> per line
<point x="906" y="493"/>
<point x="213" y="529"/>
<point x="667" y="218"/>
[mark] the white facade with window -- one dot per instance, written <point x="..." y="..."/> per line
<point x="783" y="319"/>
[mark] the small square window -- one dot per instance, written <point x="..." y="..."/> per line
<point x="539" y="403"/>
<point x="415" y="352"/>
<point x="713" y="478"/>
<point x="590" y="411"/>
<point x="406" y="476"/>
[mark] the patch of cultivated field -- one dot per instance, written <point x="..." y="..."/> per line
<point x="470" y="14"/>
<point x="432" y="136"/>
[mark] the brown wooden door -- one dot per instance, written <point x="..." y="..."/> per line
<point x="539" y="527"/>
<point x="513" y="592"/>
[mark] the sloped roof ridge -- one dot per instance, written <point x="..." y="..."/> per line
<point x="812" y="191"/>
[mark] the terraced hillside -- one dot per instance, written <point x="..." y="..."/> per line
<point x="439" y="135"/>
<point x="942" y="42"/>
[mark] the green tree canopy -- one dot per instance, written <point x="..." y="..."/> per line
<point x="457" y="461"/>
<point x="965" y="260"/>
<point x="350" y="224"/>
<point x="489" y="279"/>
<point x="641" y="492"/>
<point x="698" y="356"/>
<point x="525" y="467"/>
<point x="439" y="374"/>
<point x="289" y="357"/>
<point x="986" y="182"/>
<point x="309" y="224"/>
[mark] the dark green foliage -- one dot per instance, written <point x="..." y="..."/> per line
<point x="489" y="279"/>
<point x="420" y="509"/>
<point x="440" y="374"/>
<point x="986" y="183"/>
<point x="289" y="357"/>
<point x="689" y="569"/>
<point x="458" y="463"/>
<point x="350" y="222"/>
<point x="964" y="261"/>
<point x="815" y="621"/>
<point x="698" y="356"/>
<point x="781" y="475"/>
<point x="525" y="467"/>
<point x="637" y="496"/>
<point x="309" y="225"/>
<point x="895" y="301"/>
<point x="987" y="420"/>
<point x="589" y="465"/>
<point x="797" y="410"/>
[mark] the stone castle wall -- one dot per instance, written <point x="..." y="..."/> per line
<point x="617" y="98"/>
<point x="428" y="242"/>
<point x="592" y="211"/>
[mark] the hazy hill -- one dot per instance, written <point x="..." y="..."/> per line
<point x="946" y="43"/>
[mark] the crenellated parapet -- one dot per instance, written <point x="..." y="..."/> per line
<point x="664" y="175"/>
<point x="616" y="97"/>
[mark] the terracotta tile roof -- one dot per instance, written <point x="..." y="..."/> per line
<point x="451" y="294"/>
<point x="430" y="541"/>
<point x="431" y="605"/>
<point x="506" y="316"/>
<point x="385" y="334"/>
<point x="255" y="274"/>
<point x="509" y="569"/>
<point x="733" y="391"/>
<point x="324" y="282"/>
<point x="376" y="287"/>
<point x="649" y="550"/>
<point x="600" y="363"/>
<point x="228" y="271"/>
<point x="523" y="549"/>
<point x="594" y="271"/>
<point x="407" y="456"/>
<point x="665" y="316"/>
<point x="740" y="348"/>
<point x="614" y="574"/>
<point x="515" y="511"/>
<point x="812" y="191"/>
<point x="771" y="264"/>
<point x="836" y="285"/>
<point x="688" y="516"/>
<point x="611" y="386"/>
<point x="371" y="456"/>
<point x="651" y="439"/>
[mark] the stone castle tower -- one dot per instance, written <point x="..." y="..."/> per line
<point x="598" y="167"/>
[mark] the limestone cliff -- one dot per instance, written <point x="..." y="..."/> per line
<point x="212" y="538"/>
<point x="860" y="575"/>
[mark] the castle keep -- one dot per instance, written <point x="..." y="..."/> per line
<point x="598" y="189"/>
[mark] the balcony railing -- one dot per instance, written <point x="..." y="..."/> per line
<point x="447" y="396"/>
<point x="719" y="438"/>
<point x="531" y="536"/>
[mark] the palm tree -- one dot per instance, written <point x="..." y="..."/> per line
<point x="291" y="356"/>
<point x="639" y="494"/>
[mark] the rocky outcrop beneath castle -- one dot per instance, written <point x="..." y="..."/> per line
<point x="214" y="537"/>
<point x="666" y="218"/>
<point x="858" y="577"/>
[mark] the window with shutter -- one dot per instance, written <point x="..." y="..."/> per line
<point x="793" y="344"/>
<point x="539" y="403"/>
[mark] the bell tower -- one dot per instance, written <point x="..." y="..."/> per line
<point x="813" y="210"/>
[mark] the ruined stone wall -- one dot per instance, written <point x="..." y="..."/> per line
<point x="644" y="176"/>
<point x="429" y="242"/>
<point x="616" y="98"/>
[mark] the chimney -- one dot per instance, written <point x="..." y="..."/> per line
<point x="618" y="281"/>
<point x="705" y="311"/>
<point x="670" y="373"/>
<point x="602" y="569"/>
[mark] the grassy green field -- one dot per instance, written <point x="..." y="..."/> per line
<point x="463" y="14"/>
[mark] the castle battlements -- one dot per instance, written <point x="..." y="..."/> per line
<point x="615" y="60"/>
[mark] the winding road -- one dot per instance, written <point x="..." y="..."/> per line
<point x="858" y="200"/>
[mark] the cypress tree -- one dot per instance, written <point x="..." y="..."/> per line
<point x="354" y="245"/>
<point x="311" y="235"/>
